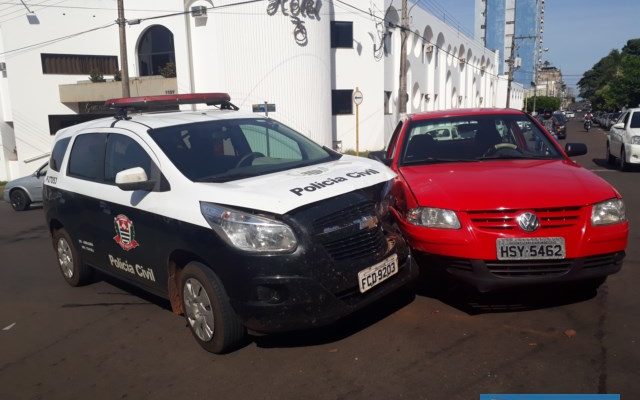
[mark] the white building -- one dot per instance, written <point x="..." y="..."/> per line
<point x="305" y="56"/>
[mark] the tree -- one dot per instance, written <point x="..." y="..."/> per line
<point x="544" y="103"/>
<point x="614" y="81"/>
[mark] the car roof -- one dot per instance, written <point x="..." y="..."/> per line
<point x="464" y="112"/>
<point x="145" y="121"/>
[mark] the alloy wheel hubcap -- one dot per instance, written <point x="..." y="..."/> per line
<point x="17" y="199"/>
<point x="198" y="309"/>
<point x="65" y="258"/>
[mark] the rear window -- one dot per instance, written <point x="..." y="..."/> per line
<point x="57" y="154"/>
<point x="87" y="157"/>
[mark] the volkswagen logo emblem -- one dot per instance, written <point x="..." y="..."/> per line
<point x="528" y="221"/>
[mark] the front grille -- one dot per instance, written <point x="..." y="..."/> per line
<point x="505" y="220"/>
<point x="342" y="236"/>
<point x="344" y="216"/>
<point x="362" y="244"/>
<point x="528" y="268"/>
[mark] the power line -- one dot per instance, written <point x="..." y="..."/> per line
<point x="418" y="35"/>
<point x="61" y="38"/>
<point x="115" y="23"/>
<point x="82" y="7"/>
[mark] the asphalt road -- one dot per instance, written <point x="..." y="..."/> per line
<point x="107" y="340"/>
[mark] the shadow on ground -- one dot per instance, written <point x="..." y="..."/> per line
<point x="343" y="328"/>
<point x="467" y="299"/>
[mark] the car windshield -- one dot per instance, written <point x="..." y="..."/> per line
<point x="225" y="150"/>
<point x="635" y="120"/>
<point x="476" y="138"/>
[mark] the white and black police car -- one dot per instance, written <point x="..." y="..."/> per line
<point x="241" y="222"/>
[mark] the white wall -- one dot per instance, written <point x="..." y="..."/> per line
<point x="517" y="94"/>
<point x="253" y="56"/>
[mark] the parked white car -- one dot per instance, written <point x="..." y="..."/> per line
<point x="623" y="140"/>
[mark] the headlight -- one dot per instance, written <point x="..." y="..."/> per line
<point x="249" y="232"/>
<point x="635" y="139"/>
<point x="433" y="218"/>
<point x="608" y="212"/>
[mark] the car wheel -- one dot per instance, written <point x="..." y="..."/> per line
<point x="610" y="158"/>
<point x="73" y="270"/>
<point x="19" y="199"/>
<point x="622" y="163"/>
<point x="208" y="311"/>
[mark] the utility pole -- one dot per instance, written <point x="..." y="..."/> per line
<point x="402" y="91"/>
<point x="535" y="88"/>
<point x="512" y="60"/>
<point x="123" y="50"/>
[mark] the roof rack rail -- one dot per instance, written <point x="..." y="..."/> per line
<point x="223" y="100"/>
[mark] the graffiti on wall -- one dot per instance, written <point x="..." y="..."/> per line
<point x="299" y="11"/>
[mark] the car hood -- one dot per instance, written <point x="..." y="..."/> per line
<point x="25" y="180"/>
<point x="284" y="191"/>
<point x="510" y="184"/>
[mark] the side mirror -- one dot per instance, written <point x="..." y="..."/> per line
<point x="380" y="156"/>
<point x="134" y="179"/>
<point x="619" y="125"/>
<point x="575" y="149"/>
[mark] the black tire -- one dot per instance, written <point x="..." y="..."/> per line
<point x="228" y="332"/>
<point x="74" y="271"/>
<point x="20" y="200"/>
<point x="610" y="158"/>
<point x="622" y="162"/>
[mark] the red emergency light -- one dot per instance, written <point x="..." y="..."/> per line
<point x="141" y="102"/>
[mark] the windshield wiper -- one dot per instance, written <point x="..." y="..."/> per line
<point x="512" y="157"/>
<point x="437" y="161"/>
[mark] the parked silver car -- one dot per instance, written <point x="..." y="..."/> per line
<point x="22" y="192"/>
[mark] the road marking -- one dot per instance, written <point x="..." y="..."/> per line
<point x="6" y="328"/>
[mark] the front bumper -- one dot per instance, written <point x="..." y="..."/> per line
<point x="490" y="275"/>
<point x="295" y="302"/>
<point x="632" y="152"/>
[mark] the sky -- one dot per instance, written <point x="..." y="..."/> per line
<point x="578" y="33"/>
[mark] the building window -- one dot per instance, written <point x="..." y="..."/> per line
<point x="77" y="64"/>
<point x="387" y="102"/>
<point x="155" y="51"/>
<point x="342" y="102"/>
<point x="342" y="34"/>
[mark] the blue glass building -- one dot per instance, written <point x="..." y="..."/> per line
<point x="498" y="16"/>
<point x="526" y="25"/>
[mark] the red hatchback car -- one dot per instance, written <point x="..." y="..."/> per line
<point x="488" y="196"/>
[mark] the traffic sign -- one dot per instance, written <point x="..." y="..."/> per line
<point x="357" y="97"/>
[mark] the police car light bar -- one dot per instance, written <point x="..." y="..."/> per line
<point x="211" y="99"/>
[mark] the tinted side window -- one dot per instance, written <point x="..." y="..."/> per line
<point x="57" y="154"/>
<point x="271" y="143"/>
<point x="87" y="157"/>
<point x="124" y="153"/>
